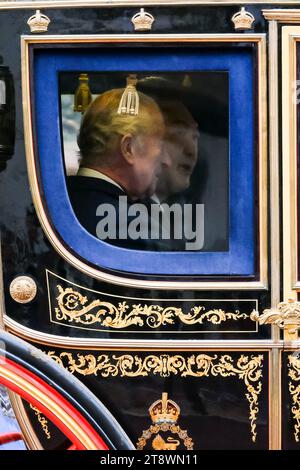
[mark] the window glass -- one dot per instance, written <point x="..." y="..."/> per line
<point x="147" y="157"/>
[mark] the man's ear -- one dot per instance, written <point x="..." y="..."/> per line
<point x="127" y="148"/>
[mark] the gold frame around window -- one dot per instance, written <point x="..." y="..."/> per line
<point x="260" y="40"/>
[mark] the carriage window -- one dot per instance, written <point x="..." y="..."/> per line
<point x="147" y="157"/>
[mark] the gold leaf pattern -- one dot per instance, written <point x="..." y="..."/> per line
<point x="74" y="307"/>
<point x="42" y="420"/>
<point x="248" y="369"/>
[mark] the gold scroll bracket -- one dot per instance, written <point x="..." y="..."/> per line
<point x="286" y="316"/>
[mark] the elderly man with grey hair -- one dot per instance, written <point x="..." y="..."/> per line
<point x="121" y="155"/>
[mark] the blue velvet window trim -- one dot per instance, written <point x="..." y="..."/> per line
<point x="239" y="63"/>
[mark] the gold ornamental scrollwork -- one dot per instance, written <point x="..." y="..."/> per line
<point x="164" y="414"/>
<point x="246" y="368"/>
<point x="286" y="316"/>
<point x="42" y="420"/>
<point x="294" y="389"/>
<point x="75" y="307"/>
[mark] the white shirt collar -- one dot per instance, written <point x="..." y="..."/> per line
<point x="83" y="171"/>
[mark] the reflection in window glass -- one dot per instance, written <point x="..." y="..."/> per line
<point x="147" y="164"/>
<point x="2" y="92"/>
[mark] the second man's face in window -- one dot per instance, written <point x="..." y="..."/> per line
<point x="150" y="162"/>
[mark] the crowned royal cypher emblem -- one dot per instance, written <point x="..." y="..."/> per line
<point x="164" y="433"/>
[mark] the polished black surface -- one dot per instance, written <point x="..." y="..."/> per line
<point x="7" y="116"/>
<point x="77" y="311"/>
<point x="214" y="408"/>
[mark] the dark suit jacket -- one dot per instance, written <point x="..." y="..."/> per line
<point x="87" y="193"/>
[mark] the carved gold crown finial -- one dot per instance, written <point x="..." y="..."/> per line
<point x="142" y="21"/>
<point x="243" y="20"/>
<point x="286" y="316"/>
<point x="164" y="410"/>
<point x="38" y="22"/>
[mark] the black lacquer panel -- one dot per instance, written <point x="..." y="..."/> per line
<point x="215" y="406"/>
<point x="80" y="311"/>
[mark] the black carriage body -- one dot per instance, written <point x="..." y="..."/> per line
<point x="133" y="337"/>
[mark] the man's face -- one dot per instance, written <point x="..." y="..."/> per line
<point x="148" y="163"/>
<point x="182" y="146"/>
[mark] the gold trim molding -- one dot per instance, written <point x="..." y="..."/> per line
<point x="281" y="15"/>
<point x="74" y="342"/>
<point x="294" y="389"/>
<point x="260" y="41"/>
<point x="18" y="5"/>
<point x="246" y="368"/>
<point x="290" y="38"/>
